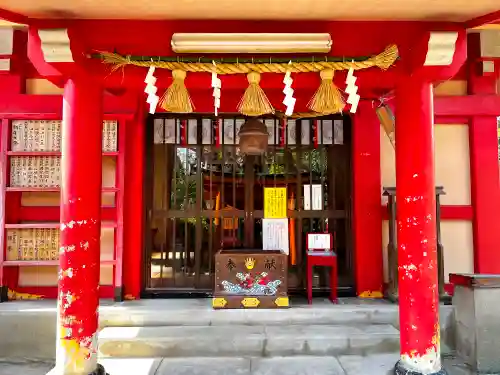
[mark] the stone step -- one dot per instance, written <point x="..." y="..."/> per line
<point x="318" y="314"/>
<point x="200" y="313"/>
<point x="32" y="324"/>
<point x="244" y="340"/>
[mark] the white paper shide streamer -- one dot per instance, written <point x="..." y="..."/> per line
<point x="352" y="90"/>
<point x="151" y="90"/>
<point x="216" y="84"/>
<point x="289" y="100"/>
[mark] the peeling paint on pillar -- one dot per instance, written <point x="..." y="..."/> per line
<point x="80" y="231"/>
<point x="420" y="327"/>
<point x="416" y="229"/>
<point x="77" y="301"/>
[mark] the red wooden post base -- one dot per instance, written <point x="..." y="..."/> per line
<point x="326" y="261"/>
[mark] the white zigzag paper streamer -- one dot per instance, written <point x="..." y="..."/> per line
<point x="289" y="100"/>
<point x="352" y="90"/>
<point x="151" y="90"/>
<point x="216" y="84"/>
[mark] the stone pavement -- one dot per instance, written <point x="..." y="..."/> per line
<point x="24" y="367"/>
<point x="377" y="364"/>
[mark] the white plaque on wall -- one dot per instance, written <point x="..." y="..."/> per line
<point x="305" y="135"/>
<point x="275" y="235"/>
<point x="228" y="131"/>
<point x="271" y="125"/>
<point x="172" y="127"/>
<point x="158" y="130"/>
<point x="338" y="132"/>
<point x="325" y="132"/>
<point x="291" y="129"/>
<point x="192" y="131"/>
<point x="313" y="193"/>
<point x="239" y="123"/>
<point x="206" y="131"/>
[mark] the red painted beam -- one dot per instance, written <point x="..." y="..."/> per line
<point x="466" y="106"/>
<point x="14" y="17"/>
<point x="133" y="77"/>
<point x="52" y="213"/>
<point x="493" y="17"/>
<point x="447" y="213"/>
<point x="450" y="120"/>
<point x="35" y="105"/>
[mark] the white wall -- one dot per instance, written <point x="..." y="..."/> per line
<point x="452" y="171"/>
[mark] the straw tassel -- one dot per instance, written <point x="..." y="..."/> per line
<point x="254" y="101"/>
<point x="327" y="99"/>
<point x="387" y="58"/>
<point x="176" y="98"/>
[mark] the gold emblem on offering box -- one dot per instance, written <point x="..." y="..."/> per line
<point x="250" y="302"/>
<point x="250" y="263"/>
<point x="282" y="302"/>
<point x="219" y="302"/>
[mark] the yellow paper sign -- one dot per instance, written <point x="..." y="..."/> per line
<point x="275" y="203"/>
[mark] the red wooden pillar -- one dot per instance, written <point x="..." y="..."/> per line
<point x="367" y="216"/>
<point x="484" y="170"/>
<point x="134" y="206"/>
<point x="416" y="229"/>
<point x="483" y="141"/>
<point x="79" y="254"/>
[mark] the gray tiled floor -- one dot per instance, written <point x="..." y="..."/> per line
<point x="24" y="368"/>
<point x="379" y="364"/>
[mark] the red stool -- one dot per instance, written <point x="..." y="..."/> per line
<point x="326" y="259"/>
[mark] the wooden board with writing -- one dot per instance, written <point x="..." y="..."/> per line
<point x="33" y="244"/>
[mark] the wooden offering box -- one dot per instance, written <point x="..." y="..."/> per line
<point x="250" y="279"/>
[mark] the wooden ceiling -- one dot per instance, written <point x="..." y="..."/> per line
<point x="439" y="10"/>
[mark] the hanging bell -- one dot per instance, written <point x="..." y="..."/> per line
<point x="253" y="137"/>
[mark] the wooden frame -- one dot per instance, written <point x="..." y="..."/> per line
<point x="331" y="212"/>
<point x="112" y="216"/>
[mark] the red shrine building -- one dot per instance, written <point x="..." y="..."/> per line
<point x="122" y="171"/>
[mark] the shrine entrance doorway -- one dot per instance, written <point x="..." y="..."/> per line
<point x="203" y="195"/>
